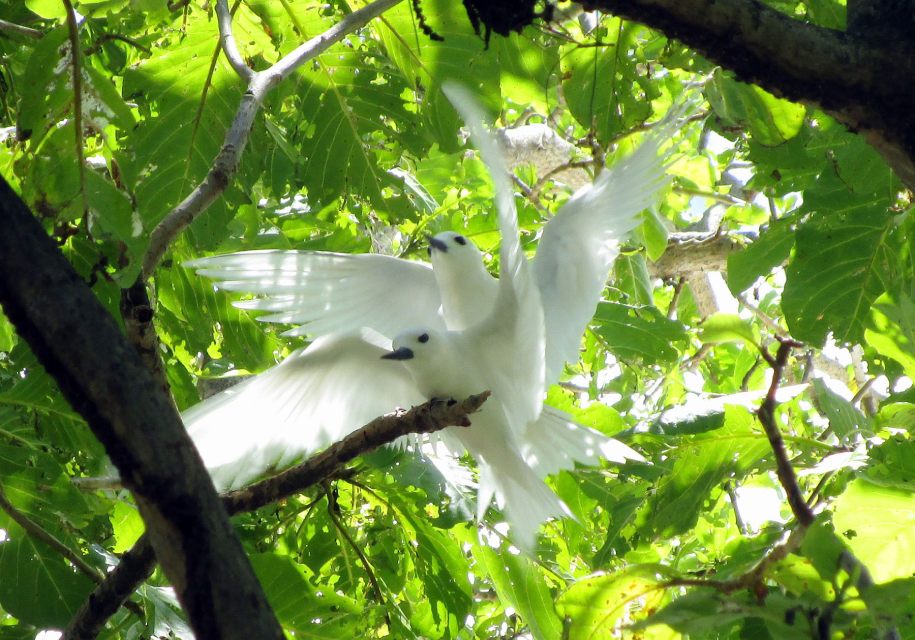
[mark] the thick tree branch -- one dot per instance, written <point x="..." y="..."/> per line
<point x="104" y="380"/>
<point x="426" y="418"/>
<point x="845" y="74"/>
<point x="259" y="83"/>
<point x="137" y="564"/>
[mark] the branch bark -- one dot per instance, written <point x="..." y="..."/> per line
<point x="843" y="73"/>
<point x="137" y="564"/>
<point x="104" y="380"/>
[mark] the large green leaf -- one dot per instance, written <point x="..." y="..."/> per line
<point x="760" y="257"/>
<point x="700" y="463"/>
<point x="891" y="329"/>
<point x="771" y="120"/>
<point x="639" y="333"/>
<point x="844" y="260"/>
<point x="521" y="585"/>
<point x="878" y="524"/>
<point x="39" y="587"/>
<point x="302" y="607"/>
<point x="596" y="606"/>
<point x="190" y="96"/>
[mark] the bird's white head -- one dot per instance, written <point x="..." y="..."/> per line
<point x="415" y="345"/>
<point x="452" y="248"/>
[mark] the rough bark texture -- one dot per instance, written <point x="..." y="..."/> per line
<point x="864" y="78"/>
<point x="104" y="379"/>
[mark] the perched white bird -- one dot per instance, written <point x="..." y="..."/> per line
<point x="491" y="331"/>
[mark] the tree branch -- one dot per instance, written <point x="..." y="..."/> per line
<point x="138" y="563"/>
<point x="259" y="83"/>
<point x="37" y="531"/>
<point x="103" y="378"/>
<point x="426" y="418"/>
<point x="29" y="32"/>
<point x="844" y="74"/>
<point x="229" y="46"/>
<point x="766" y="415"/>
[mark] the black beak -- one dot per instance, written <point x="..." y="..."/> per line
<point x="438" y="245"/>
<point x="404" y="353"/>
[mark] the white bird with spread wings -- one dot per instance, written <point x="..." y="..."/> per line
<point x="464" y="330"/>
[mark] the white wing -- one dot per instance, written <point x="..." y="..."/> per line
<point x="556" y="442"/>
<point x="313" y="398"/>
<point x="510" y="341"/>
<point x="330" y="292"/>
<point x="580" y="243"/>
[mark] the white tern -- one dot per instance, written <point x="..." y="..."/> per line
<point x="473" y="325"/>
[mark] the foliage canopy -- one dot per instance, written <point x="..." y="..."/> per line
<point x="359" y="151"/>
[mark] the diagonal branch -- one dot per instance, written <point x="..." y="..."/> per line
<point x="103" y="378"/>
<point x="259" y="84"/>
<point x="11" y="27"/>
<point x="137" y="564"/>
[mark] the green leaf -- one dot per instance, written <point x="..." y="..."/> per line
<point x="771" y="120"/>
<point x="845" y="419"/>
<point x="639" y="333"/>
<point x="759" y="258"/>
<point x="700" y="463"/>
<point x="40" y="587"/>
<point x="127" y="524"/>
<point x="633" y="279"/>
<point x="521" y="585"/>
<point x="728" y="327"/>
<point x="596" y="605"/>
<point x="878" y="525"/>
<point x="709" y="614"/>
<point x="891" y="329"/>
<point x="843" y="262"/>
<point x="601" y="90"/>
<point x="46" y="92"/>
<point x="173" y="151"/>
<point x="892" y="464"/>
<point x="300" y="605"/>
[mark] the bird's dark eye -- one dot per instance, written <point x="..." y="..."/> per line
<point x="423" y="338"/>
<point x="460" y="240"/>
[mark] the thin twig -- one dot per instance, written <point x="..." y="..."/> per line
<point x="11" y="27"/>
<point x="227" y="38"/>
<point x="37" y="531"/>
<point x="678" y="291"/>
<point x="363" y="560"/>
<point x="75" y="54"/>
<point x="732" y="496"/>
<point x="226" y="163"/>
<point x="766" y="415"/>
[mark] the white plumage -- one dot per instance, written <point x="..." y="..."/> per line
<point x="511" y="336"/>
